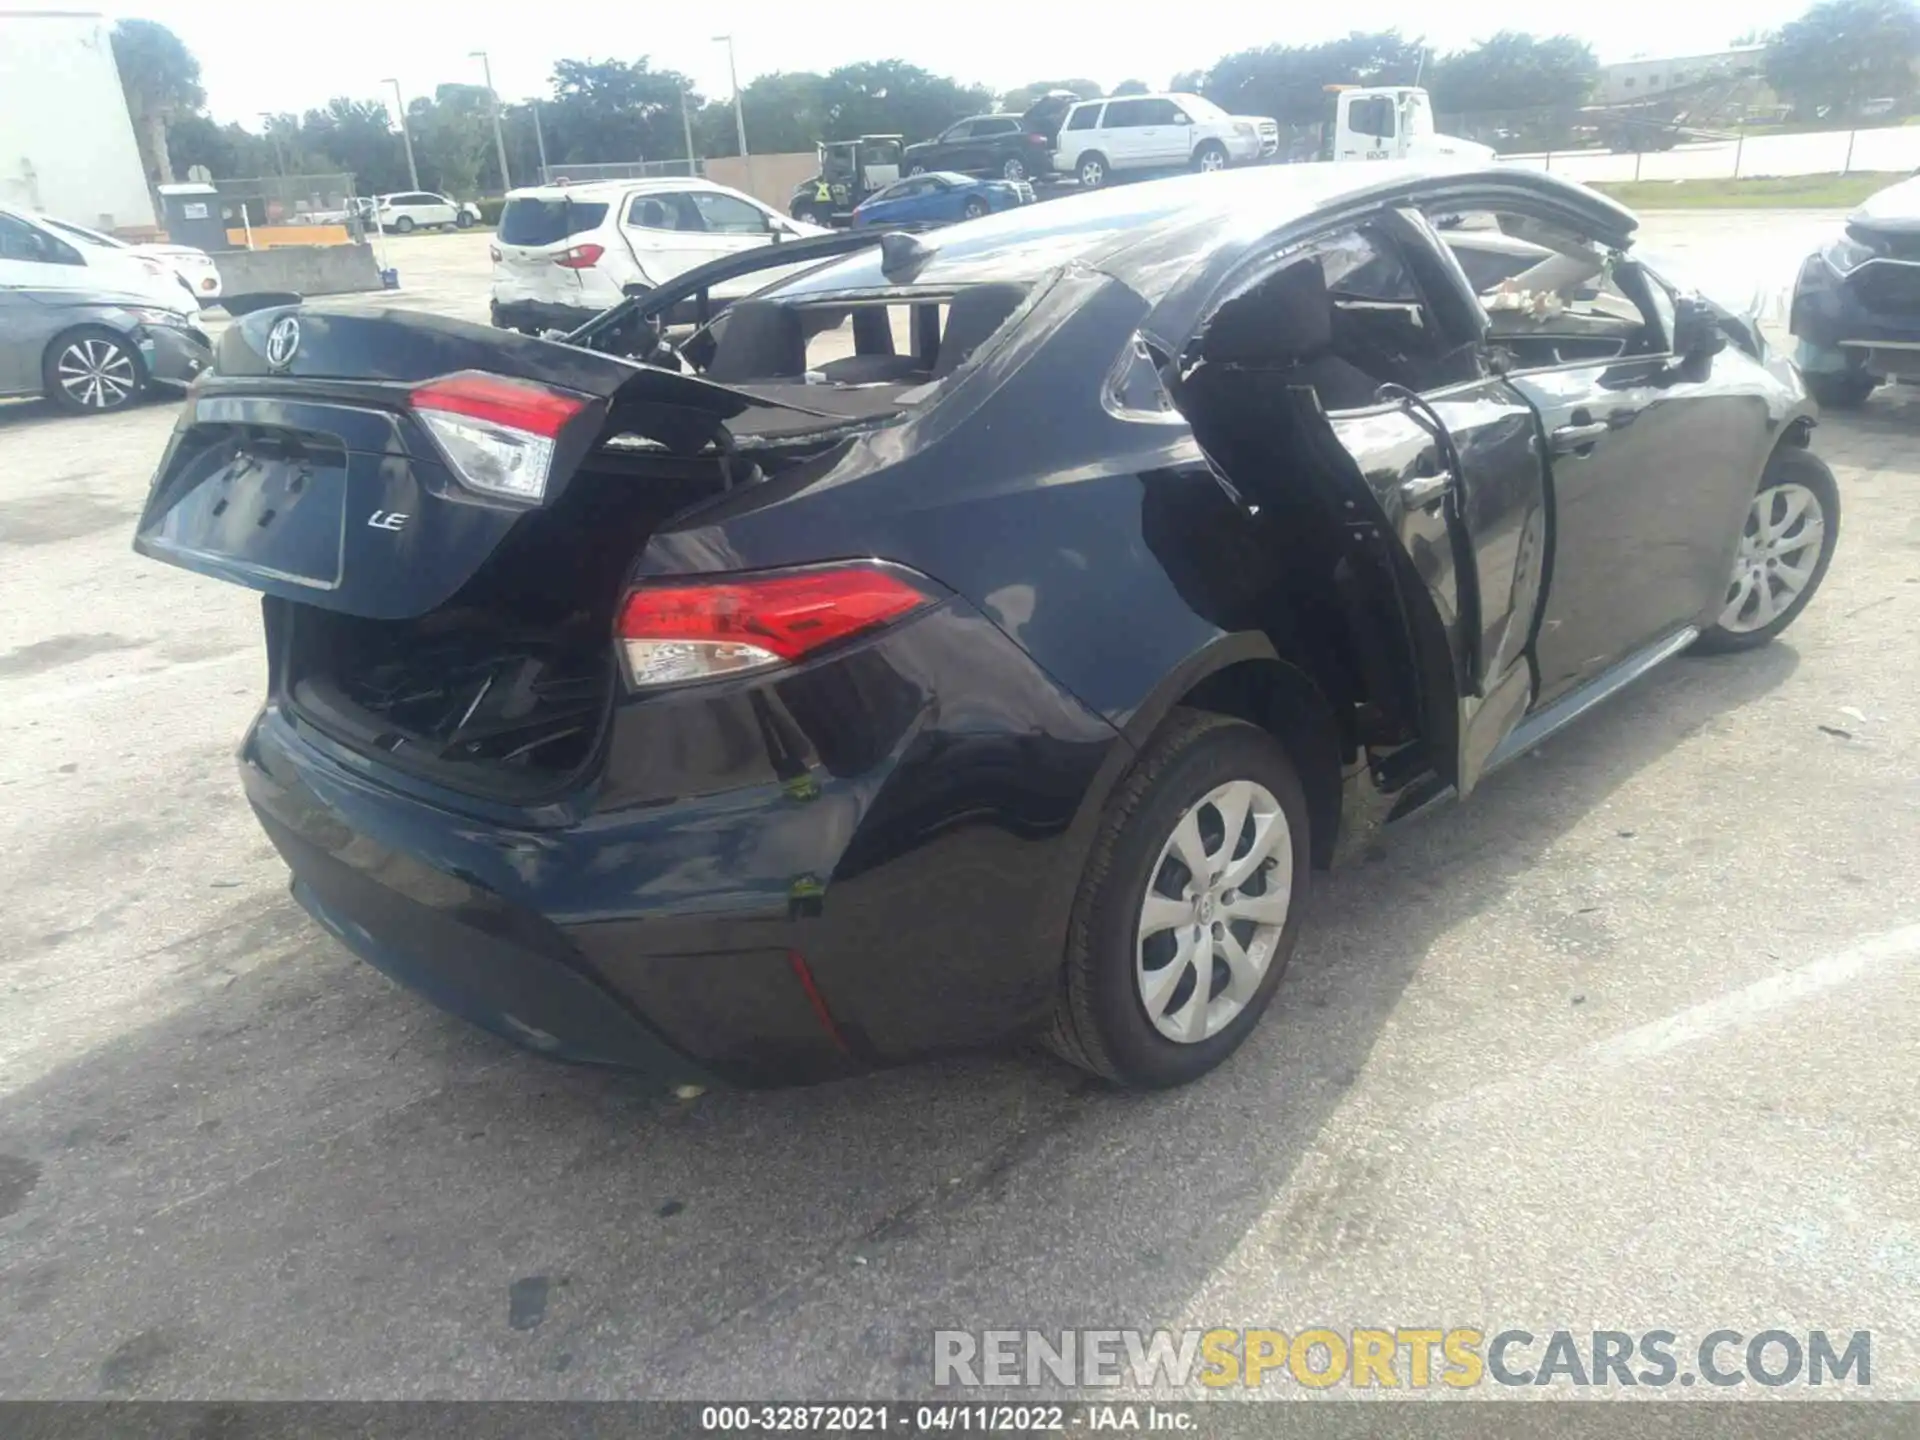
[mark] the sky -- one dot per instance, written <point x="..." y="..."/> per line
<point x="274" y="56"/>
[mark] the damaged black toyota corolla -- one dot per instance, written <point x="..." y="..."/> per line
<point x="972" y="635"/>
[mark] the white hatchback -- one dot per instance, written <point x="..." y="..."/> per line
<point x="1103" y="138"/>
<point x="192" y="267"/>
<point x="564" y="253"/>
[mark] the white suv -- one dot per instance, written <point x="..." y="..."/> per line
<point x="1104" y="138"/>
<point x="419" y="210"/>
<point x="564" y="253"/>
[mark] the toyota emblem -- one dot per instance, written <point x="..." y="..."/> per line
<point x="282" y="341"/>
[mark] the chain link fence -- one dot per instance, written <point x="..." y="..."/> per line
<point x="584" y="174"/>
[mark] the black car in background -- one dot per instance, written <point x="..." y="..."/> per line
<point x="1856" y="305"/>
<point x="971" y="635"/>
<point x="998" y="145"/>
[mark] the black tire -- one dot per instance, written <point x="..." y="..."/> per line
<point x="123" y="373"/>
<point x="403" y="226"/>
<point x="463" y="221"/>
<point x="1014" y="169"/>
<point x="1092" y="171"/>
<point x="974" y="207"/>
<point x="1787" y="467"/>
<point x="916" y="169"/>
<point x="1101" y="1023"/>
<point x="808" y="214"/>
<point x="1839" y="389"/>
<point x="1211" y="155"/>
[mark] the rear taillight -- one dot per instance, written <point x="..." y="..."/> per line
<point x="1037" y="140"/>
<point x="672" y="634"/>
<point x="497" y="433"/>
<point x="580" y="257"/>
<point x="493" y="253"/>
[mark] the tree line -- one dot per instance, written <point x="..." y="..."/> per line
<point x="1839" y="56"/>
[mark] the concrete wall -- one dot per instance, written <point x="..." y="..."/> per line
<point x="303" y="269"/>
<point x="768" y="178"/>
<point x="66" y="142"/>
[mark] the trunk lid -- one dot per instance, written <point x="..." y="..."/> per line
<point x="313" y="479"/>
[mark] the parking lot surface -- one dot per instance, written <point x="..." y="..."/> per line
<point x="1628" y="1041"/>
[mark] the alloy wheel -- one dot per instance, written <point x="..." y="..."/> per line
<point x="1212" y="160"/>
<point x="1216" y="903"/>
<point x="1092" y="174"/>
<point x="96" y="373"/>
<point x="1779" y="552"/>
<point x="1013" y="170"/>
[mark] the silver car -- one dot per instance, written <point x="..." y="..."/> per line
<point x="91" y="351"/>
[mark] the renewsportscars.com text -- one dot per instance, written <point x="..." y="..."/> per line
<point x="1458" y="1358"/>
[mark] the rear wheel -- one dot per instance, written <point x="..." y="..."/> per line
<point x="1785" y="547"/>
<point x="91" y="371"/>
<point x="1210" y="157"/>
<point x="1839" y="389"/>
<point x="1013" y="169"/>
<point x="1189" y="908"/>
<point x="1092" y="171"/>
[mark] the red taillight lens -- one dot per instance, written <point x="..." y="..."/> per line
<point x="580" y="257"/>
<point x="672" y="634"/>
<point x="497" y="433"/>
<point x="1036" y="139"/>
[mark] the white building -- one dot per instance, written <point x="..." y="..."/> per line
<point x="1648" y="79"/>
<point x="66" y="141"/>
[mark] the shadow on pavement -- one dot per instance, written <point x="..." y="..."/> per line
<point x="295" y="1181"/>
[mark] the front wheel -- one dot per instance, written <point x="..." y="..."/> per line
<point x="1785" y="547"/>
<point x="916" y="170"/>
<point x="1189" y="907"/>
<point x="463" y="220"/>
<point x="1210" y="157"/>
<point x="974" y="208"/>
<point x="91" y="371"/>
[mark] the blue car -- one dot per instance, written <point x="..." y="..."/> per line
<point x="939" y="198"/>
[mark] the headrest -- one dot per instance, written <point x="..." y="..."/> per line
<point x="1287" y="317"/>
<point x="975" y="315"/>
<point x="759" y="341"/>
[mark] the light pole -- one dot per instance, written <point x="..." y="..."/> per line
<point x="686" y="125"/>
<point x="493" y="98"/>
<point x="406" y="135"/>
<point x="733" y="76"/>
<point x="540" y="141"/>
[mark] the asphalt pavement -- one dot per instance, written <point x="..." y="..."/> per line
<point x="1626" y="1041"/>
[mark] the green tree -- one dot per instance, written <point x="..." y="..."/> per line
<point x="613" y="110"/>
<point x="1842" y="53"/>
<point x="1288" y="82"/>
<point x="161" y="79"/>
<point x="452" y="138"/>
<point x="356" y="136"/>
<point x="891" y="97"/>
<point x="1018" y="100"/>
<point x="1514" y="71"/>
<point x="1189" y="82"/>
<point x="1133" y="87"/>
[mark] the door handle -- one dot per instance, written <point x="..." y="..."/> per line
<point x="1569" y="438"/>
<point x="1425" y="490"/>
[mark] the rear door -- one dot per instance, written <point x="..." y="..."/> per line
<point x="995" y="140"/>
<point x="535" y="235"/>
<point x="1127" y="135"/>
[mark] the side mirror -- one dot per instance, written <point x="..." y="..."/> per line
<point x="633" y="289"/>
<point x="1696" y="329"/>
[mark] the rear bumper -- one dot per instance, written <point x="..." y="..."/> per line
<point x="769" y="882"/>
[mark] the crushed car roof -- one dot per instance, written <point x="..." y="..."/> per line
<point x="1153" y="237"/>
